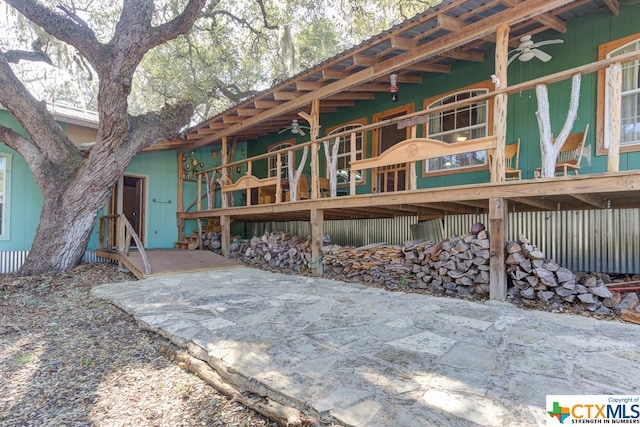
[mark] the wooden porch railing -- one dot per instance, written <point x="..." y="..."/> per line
<point x="116" y="233"/>
<point x="397" y="154"/>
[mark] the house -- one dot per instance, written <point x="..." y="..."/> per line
<point x="413" y="125"/>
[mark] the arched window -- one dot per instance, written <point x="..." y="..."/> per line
<point x="273" y="160"/>
<point x="344" y="152"/>
<point x="457" y="125"/>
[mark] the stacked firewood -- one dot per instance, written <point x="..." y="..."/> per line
<point x="458" y="266"/>
<point x="211" y="241"/>
<point x="537" y="280"/>
<point x="274" y="251"/>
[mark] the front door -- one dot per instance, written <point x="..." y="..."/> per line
<point x="393" y="177"/>
<point x="133" y="197"/>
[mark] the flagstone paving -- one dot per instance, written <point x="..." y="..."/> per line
<point x="368" y="357"/>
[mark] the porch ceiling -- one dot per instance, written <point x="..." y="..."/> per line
<point x="455" y="30"/>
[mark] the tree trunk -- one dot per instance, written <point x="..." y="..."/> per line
<point x="66" y="223"/>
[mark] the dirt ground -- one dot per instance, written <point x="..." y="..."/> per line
<point x="68" y="359"/>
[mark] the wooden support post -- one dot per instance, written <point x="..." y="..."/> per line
<point x="317" y="240"/>
<point x="614" y="92"/>
<point x="199" y="201"/>
<point x="352" y="173"/>
<point x="225" y="234"/>
<point x="315" y="175"/>
<point x="224" y="172"/>
<point x="500" y="104"/>
<point x="279" y="180"/>
<point x="180" y="184"/>
<point x="497" y="237"/>
<point x="120" y="231"/>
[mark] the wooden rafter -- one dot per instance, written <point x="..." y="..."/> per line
<point x="418" y="46"/>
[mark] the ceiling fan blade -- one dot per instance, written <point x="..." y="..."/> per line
<point x="513" y="58"/>
<point x="546" y="42"/>
<point x="542" y="56"/>
<point x="301" y="132"/>
<point x="284" y="130"/>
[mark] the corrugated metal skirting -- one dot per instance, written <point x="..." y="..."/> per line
<point x="348" y="232"/>
<point x="11" y="261"/>
<point x="606" y="241"/>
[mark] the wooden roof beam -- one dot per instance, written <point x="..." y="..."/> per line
<point x="365" y="61"/>
<point x="431" y="68"/>
<point x="464" y="56"/>
<point x="308" y="86"/>
<point x="232" y="119"/>
<point x="287" y="95"/>
<point x="613" y="5"/>
<point x="266" y="104"/>
<point x="403" y="43"/>
<point x="545" y="19"/>
<point x="468" y="34"/>
<point x="448" y="23"/>
<point x="248" y="112"/>
<point x="329" y="74"/>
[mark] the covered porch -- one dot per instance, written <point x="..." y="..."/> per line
<point x="299" y="181"/>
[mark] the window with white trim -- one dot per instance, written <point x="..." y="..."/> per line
<point x="273" y="160"/>
<point x="344" y="151"/>
<point x="458" y="125"/>
<point x="5" y="180"/>
<point x="630" y="105"/>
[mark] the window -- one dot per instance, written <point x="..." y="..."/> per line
<point x="273" y="160"/>
<point x="5" y="181"/>
<point x="630" y="105"/>
<point x="457" y="125"/>
<point x="344" y="151"/>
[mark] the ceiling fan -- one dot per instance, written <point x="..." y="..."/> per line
<point x="296" y="128"/>
<point x="528" y="50"/>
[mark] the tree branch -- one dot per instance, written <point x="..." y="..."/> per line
<point x="22" y="145"/>
<point x="156" y="126"/>
<point x="73" y="31"/>
<point x="265" y="17"/>
<point x="15" y="56"/>
<point x="39" y="124"/>
<point x="177" y="26"/>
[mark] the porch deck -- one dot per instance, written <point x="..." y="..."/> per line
<point x="169" y="261"/>
<point x="618" y="190"/>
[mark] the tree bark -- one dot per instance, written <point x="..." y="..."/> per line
<point x="548" y="147"/>
<point x="76" y="187"/>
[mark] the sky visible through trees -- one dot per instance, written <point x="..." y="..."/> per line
<point x="236" y="48"/>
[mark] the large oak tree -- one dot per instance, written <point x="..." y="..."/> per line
<point x="75" y="186"/>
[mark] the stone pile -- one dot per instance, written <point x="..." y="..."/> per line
<point x="458" y="266"/>
<point x="274" y="251"/>
<point x="534" y="279"/>
<point x="211" y="241"/>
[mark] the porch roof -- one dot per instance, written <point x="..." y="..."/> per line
<point x="430" y="42"/>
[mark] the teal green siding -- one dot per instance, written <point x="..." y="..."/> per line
<point x="160" y="170"/>
<point x="25" y="199"/>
